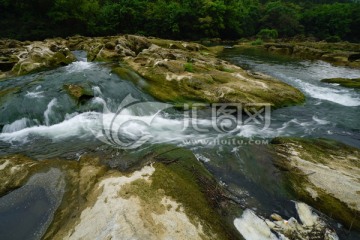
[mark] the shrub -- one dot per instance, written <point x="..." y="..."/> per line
<point x="188" y="67"/>
<point x="333" y="39"/>
<point x="267" y="34"/>
<point x="257" y="42"/>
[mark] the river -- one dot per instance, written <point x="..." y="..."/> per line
<point x="40" y="120"/>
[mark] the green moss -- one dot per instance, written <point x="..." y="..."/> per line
<point x="224" y="69"/>
<point x="257" y="42"/>
<point x="80" y="93"/>
<point x="216" y="50"/>
<point x="188" y="67"/>
<point x="345" y="82"/>
<point x="184" y="179"/>
<point x="125" y="73"/>
<point x="316" y="151"/>
<point x="167" y="43"/>
<point x="6" y="92"/>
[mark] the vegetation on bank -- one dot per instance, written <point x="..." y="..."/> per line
<point x="181" y="19"/>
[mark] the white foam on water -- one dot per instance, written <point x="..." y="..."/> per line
<point x="79" y="66"/>
<point x="252" y="227"/>
<point x="34" y="94"/>
<point x="320" y="121"/>
<point x="202" y="158"/>
<point x="97" y="91"/>
<point x="343" y="97"/>
<point x="68" y="128"/>
<point x="49" y="111"/>
<point x="16" y="125"/>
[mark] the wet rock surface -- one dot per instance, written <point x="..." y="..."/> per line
<point x="309" y="226"/>
<point x="19" y="58"/>
<point x="166" y="195"/>
<point x="323" y="173"/>
<point x="345" y="82"/>
<point x="174" y="71"/>
<point x="345" y="54"/>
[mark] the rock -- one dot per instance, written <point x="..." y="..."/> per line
<point x="110" y="45"/>
<point x="307" y="52"/>
<point x="80" y="93"/>
<point x="6" y="64"/>
<point x="180" y="75"/>
<point x="38" y="56"/>
<point x="345" y="82"/>
<point x="324" y="174"/>
<point x="276" y="217"/>
<point x="342" y="53"/>
<point x="253" y="227"/>
<point x="163" y="200"/>
<point x="137" y="43"/>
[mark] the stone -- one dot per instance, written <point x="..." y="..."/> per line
<point x="179" y="75"/>
<point x="325" y="167"/>
<point x="344" y="82"/>
<point x="80" y="93"/>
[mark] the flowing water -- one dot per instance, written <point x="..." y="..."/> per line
<point x="39" y="119"/>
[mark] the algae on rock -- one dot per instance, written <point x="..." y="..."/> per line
<point x="345" y="82"/>
<point x="324" y="173"/>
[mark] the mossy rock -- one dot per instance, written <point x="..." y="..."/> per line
<point x="323" y="173"/>
<point x="80" y="177"/>
<point x="182" y="177"/>
<point x="344" y="82"/>
<point x="178" y="175"/>
<point x="79" y="93"/>
<point x="5" y="93"/>
<point x="192" y="76"/>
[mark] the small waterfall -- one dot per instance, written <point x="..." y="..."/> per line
<point x="49" y="111"/>
<point x="16" y="126"/>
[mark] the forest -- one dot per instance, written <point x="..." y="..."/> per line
<point x="181" y="19"/>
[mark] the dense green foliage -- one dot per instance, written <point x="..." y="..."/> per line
<point x="181" y="19"/>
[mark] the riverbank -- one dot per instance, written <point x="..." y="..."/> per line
<point x="174" y="71"/>
<point x="183" y="183"/>
<point x="341" y="54"/>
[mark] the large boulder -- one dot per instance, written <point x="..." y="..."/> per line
<point x="322" y="173"/>
<point x="80" y="93"/>
<point x="168" y="194"/>
<point x="183" y="74"/>
<point x="39" y="55"/>
<point x="310" y="226"/>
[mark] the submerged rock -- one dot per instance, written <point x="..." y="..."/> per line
<point x="30" y="209"/>
<point x="78" y="92"/>
<point x="323" y="173"/>
<point x="345" y="82"/>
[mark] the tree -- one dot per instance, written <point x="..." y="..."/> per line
<point x="284" y="17"/>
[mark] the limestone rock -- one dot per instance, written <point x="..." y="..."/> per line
<point x="323" y="173"/>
